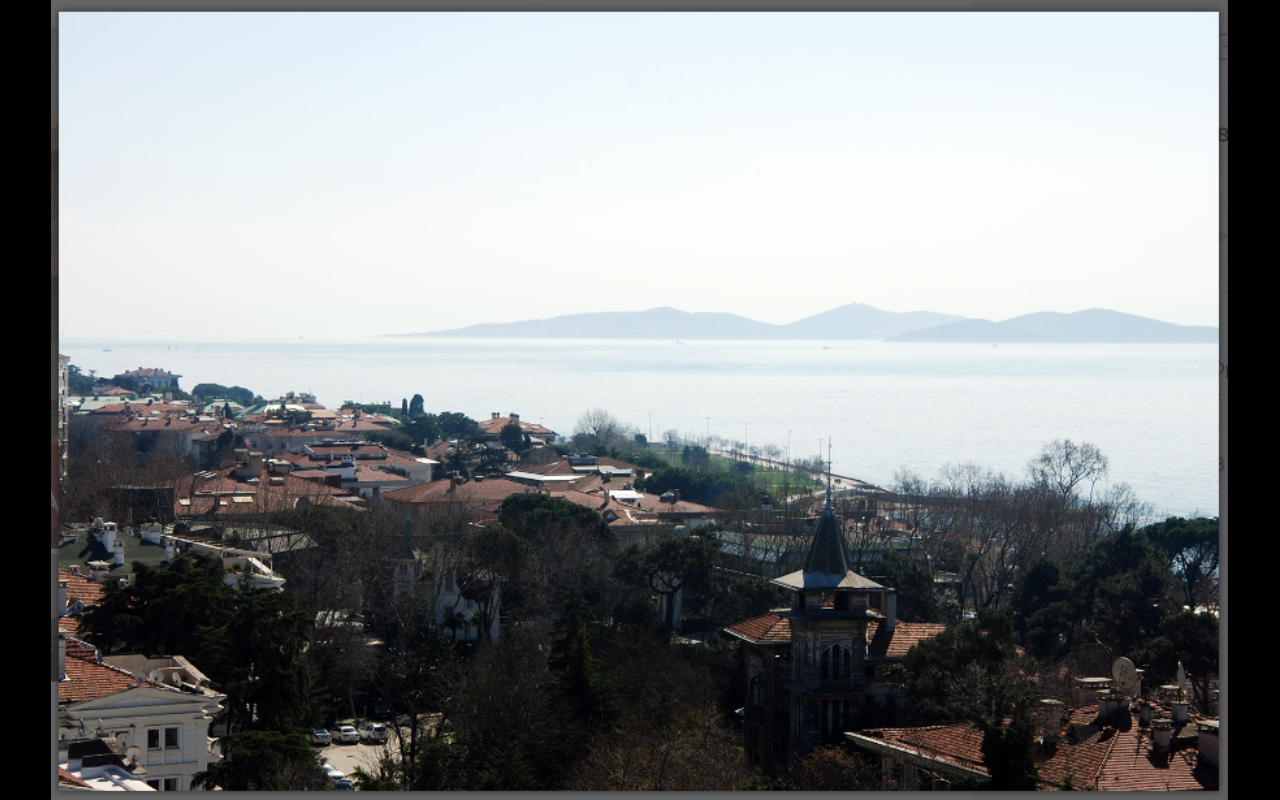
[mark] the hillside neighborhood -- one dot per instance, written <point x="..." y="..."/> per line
<point x="270" y="594"/>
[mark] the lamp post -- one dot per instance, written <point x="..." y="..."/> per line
<point x="744" y="441"/>
<point x="708" y="433"/>
<point x="650" y="427"/>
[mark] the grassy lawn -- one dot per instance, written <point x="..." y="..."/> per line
<point x="765" y="478"/>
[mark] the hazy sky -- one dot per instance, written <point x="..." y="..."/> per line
<point x="272" y="175"/>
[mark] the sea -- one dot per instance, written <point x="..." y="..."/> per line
<point x="1152" y="409"/>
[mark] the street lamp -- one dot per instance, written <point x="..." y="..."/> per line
<point x="744" y="441"/>
<point x="708" y="433"/>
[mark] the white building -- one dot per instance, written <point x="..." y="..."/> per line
<point x="157" y="710"/>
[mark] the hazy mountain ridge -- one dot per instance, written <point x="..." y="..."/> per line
<point x="1094" y="325"/>
<point x="848" y="322"/>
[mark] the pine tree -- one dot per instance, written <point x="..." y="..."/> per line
<point x="576" y="670"/>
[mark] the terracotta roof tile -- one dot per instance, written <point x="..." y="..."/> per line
<point x="67" y="779"/>
<point x="895" y="644"/>
<point x="769" y="628"/>
<point x="80" y="588"/>
<point x="87" y="679"/>
<point x="1109" y="759"/>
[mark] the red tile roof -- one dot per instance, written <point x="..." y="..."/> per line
<point x="80" y="588"/>
<point x="221" y="494"/>
<point x="87" y="679"/>
<point x="489" y="492"/>
<point x="67" y="779"/>
<point x="895" y="644"/>
<point x="766" y="629"/>
<point x="1118" y="757"/>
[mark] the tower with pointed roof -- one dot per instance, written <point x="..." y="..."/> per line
<point x="831" y="606"/>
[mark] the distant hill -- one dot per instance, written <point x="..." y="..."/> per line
<point x="852" y="321"/>
<point x="861" y="321"/>
<point x="971" y="330"/>
<point x="656" y="323"/>
<point x="1101" y="325"/>
<point x="1096" y="325"/>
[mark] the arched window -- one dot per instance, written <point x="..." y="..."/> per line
<point x="837" y="663"/>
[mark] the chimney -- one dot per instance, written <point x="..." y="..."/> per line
<point x="62" y="656"/>
<point x="1162" y="735"/>
<point x="1144" y="715"/>
<point x="62" y="597"/>
<point x="891" y="612"/>
<point x="496" y="415"/>
<point x="1111" y="702"/>
<point x="1180" y="715"/>
<point x="1207" y="731"/>
<point x="168" y="549"/>
<point x="515" y="418"/>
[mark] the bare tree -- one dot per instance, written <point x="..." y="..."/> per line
<point x="597" y="429"/>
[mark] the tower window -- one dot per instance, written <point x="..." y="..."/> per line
<point x="837" y="663"/>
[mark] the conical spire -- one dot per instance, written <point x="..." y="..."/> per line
<point x="826" y="552"/>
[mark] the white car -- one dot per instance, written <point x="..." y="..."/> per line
<point x="321" y="737"/>
<point x="333" y="773"/>
<point x="345" y="734"/>
<point x="373" y="733"/>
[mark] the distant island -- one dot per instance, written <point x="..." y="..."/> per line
<point x="849" y="322"/>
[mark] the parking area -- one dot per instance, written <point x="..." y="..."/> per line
<point x="347" y="757"/>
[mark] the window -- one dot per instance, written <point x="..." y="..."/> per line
<point x="837" y="663"/>
<point x="164" y="784"/>
<point x="757" y="691"/>
<point x="169" y="737"/>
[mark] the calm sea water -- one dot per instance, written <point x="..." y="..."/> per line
<point x="1152" y="409"/>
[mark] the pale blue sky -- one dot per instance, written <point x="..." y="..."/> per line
<point x="259" y="175"/>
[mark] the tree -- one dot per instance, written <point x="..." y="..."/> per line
<point x="914" y="585"/>
<point x="932" y="667"/>
<point x="493" y="559"/>
<point x="1064" y="465"/>
<point x="576" y="683"/>
<point x="416" y="406"/>
<point x="1189" y="639"/>
<point x="404" y="406"/>
<point x="258" y="654"/>
<point x="162" y="609"/>
<point x="263" y="761"/>
<point x="598" y="431"/>
<point x="673" y="564"/>
<point x="513" y="438"/>
<point x="831" y="768"/>
<point x="1192" y="548"/>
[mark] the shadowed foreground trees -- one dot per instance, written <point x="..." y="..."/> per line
<point x="264" y="761"/>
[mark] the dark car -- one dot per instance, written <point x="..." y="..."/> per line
<point x="381" y="709"/>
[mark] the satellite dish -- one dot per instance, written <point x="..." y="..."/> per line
<point x="1124" y="673"/>
<point x="156" y="676"/>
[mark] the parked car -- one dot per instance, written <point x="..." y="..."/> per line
<point x="344" y="786"/>
<point x="346" y="734"/>
<point x="333" y="773"/>
<point x="321" y="736"/>
<point x="381" y="709"/>
<point x="373" y="733"/>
